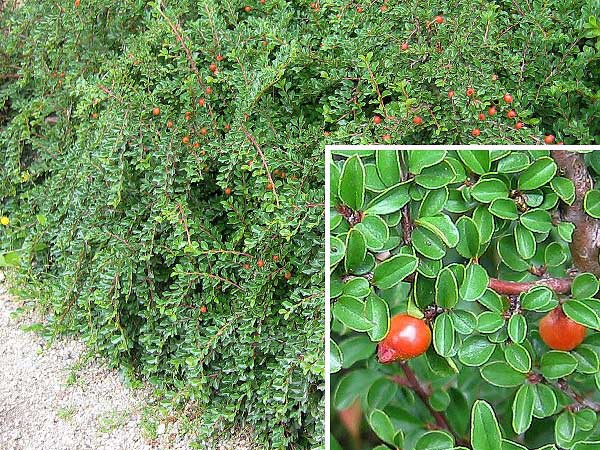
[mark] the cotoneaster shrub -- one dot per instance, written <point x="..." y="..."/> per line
<point x="490" y="255"/>
<point x="164" y="186"/>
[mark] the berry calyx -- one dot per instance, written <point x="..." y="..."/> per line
<point x="511" y="114"/>
<point x="418" y="120"/>
<point x="549" y="139"/>
<point x="155" y="111"/>
<point x="559" y="332"/>
<point x="476" y="132"/>
<point x="377" y="120"/>
<point x="408" y="337"/>
<point x="507" y="98"/>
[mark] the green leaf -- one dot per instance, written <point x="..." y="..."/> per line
<point x="335" y="357"/>
<point x="381" y="393"/>
<point x="514" y="162"/>
<point x="564" y="188"/>
<point x="392" y="271"/>
<point x="523" y="408"/>
<point x="525" y="242"/>
<point x="545" y="401"/>
<point x="478" y="161"/>
<point x="586" y="419"/>
<point x="591" y="203"/>
<point x="556" y="364"/>
<point x="442" y="226"/>
<point x="517" y="328"/>
<point x="378" y="313"/>
<point x="337" y="250"/>
<point x="388" y="166"/>
<point x="464" y="321"/>
<point x="537" y="174"/>
<point x="508" y="252"/>
<point x="469" y="240"/>
<point x="492" y="301"/>
<point x="585" y="285"/>
<point x="352" y="385"/>
<point x="518" y="358"/>
<point x="351" y="312"/>
<point x="435" y="440"/>
<point x="436" y="176"/>
<point x="501" y="374"/>
<point x="443" y="335"/>
<point x="510" y="445"/>
<point x="356" y="287"/>
<point x="475" y="351"/>
<point x="564" y="428"/>
<point x="390" y="200"/>
<point x="446" y="289"/>
<point x="537" y="220"/>
<point x="375" y="231"/>
<point x="428" y="244"/>
<point x="475" y="282"/>
<point x="554" y="255"/>
<point x="485" y="223"/>
<point x="356" y="250"/>
<point x="382" y="426"/>
<point x="582" y="313"/>
<point x="372" y="181"/>
<point x="504" y="208"/>
<point x="586" y="445"/>
<point x="489" y="322"/>
<point x="488" y="190"/>
<point x="565" y="231"/>
<point x="587" y="360"/>
<point x="352" y="183"/>
<point x="356" y="348"/>
<point x="419" y="159"/>
<point x="539" y="298"/>
<point x="485" y="431"/>
<point x="433" y="202"/>
<point x="334" y="182"/>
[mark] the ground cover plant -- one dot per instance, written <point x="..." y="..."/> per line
<point x="464" y="293"/>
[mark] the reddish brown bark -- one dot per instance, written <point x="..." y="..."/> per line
<point x="558" y="285"/>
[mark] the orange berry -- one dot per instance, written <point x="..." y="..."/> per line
<point x="219" y="58"/>
<point x="212" y="67"/>
<point x="203" y="309"/>
<point x="451" y="94"/>
<point x="287" y="275"/>
<point x="476" y="132"/>
<point x="269" y="186"/>
<point x="470" y="92"/>
<point x="186" y="140"/>
<point x="169" y="124"/>
<point x="481" y="116"/>
<point x="511" y="114"/>
<point x="560" y="332"/>
<point x="417" y="120"/>
<point x="439" y="19"/>
<point x="201" y="102"/>
<point x="155" y="111"/>
<point x="260" y="263"/>
<point x="404" y="46"/>
<point x="203" y="131"/>
<point x="275" y="258"/>
<point x="549" y="139"/>
<point x="407" y="338"/>
<point x="228" y="191"/>
<point x="492" y="111"/>
<point x="377" y="120"/>
<point x="519" y="125"/>
<point x="247" y="8"/>
<point x="508" y="98"/>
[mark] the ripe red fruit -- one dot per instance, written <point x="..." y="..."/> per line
<point x="203" y="309"/>
<point x="383" y="8"/>
<point x="247" y="8"/>
<point x="450" y="94"/>
<point x="247" y="266"/>
<point x="269" y="186"/>
<point x="519" y="125"/>
<point x="559" y="332"/>
<point x="94" y="115"/>
<point x="196" y="144"/>
<point x="511" y="114"/>
<point x="439" y="19"/>
<point x="212" y="67"/>
<point x="475" y="132"/>
<point x="408" y="337"/>
<point x="492" y="111"/>
<point x="155" y="111"/>
<point x="169" y="124"/>
<point x="228" y="191"/>
<point x="417" y="120"/>
<point x="385" y="137"/>
<point x="208" y="90"/>
<point x="219" y="58"/>
<point x="376" y="120"/>
<point x="188" y="115"/>
<point x="275" y="257"/>
<point x="359" y="9"/>
<point x="227" y="127"/>
<point x="470" y="92"/>
<point x="260" y="263"/>
<point x="549" y="139"/>
<point x="186" y="140"/>
<point x="508" y="98"/>
<point x="203" y="131"/>
<point x="201" y="102"/>
<point x="481" y="116"/>
<point x="287" y="275"/>
<point x="77" y="3"/>
<point x="404" y="46"/>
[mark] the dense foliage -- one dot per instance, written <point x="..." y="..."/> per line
<point x="185" y="243"/>
<point x="481" y="244"/>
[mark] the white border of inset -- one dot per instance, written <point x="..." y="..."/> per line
<point x="328" y="150"/>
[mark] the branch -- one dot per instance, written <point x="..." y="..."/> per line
<point x="578" y="398"/>
<point x="585" y="245"/>
<point x="558" y="285"/>
<point x="411" y="382"/>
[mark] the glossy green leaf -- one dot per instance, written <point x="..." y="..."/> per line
<point x="433" y="203"/>
<point x="544" y="401"/>
<point x="352" y="183"/>
<point x="335" y="357"/>
<point x="388" y="166"/>
<point x="539" y="298"/>
<point x="514" y="162"/>
<point x="476" y="350"/>
<point x="478" y="161"/>
<point x="536" y="220"/>
<point x="525" y="242"/>
<point x="489" y="189"/>
<point x="442" y="226"/>
<point x="464" y="321"/>
<point x="437" y="176"/>
<point x="585" y="285"/>
<point x="564" y="188"/>
<point x="485" y="431"/>
<point x="337" y="250"/>
<point x="428" y="244"/>
<point x="555" y="254"/>
<point x="565" y="231"/>
<point x="446" y="289"/>
<point x="522" y="408"/>
<point x="356" y="348"/>
<point x="518" y="358"/>
<point x="564" y="428"/>
<point x="502" y="375"/>
<point x="378" y="313"/>
<point x="469" y="240"/>
<point x="375" y="231"/>
<point x="556" y="364"/>
<point x="537" y="174"/>
<point x="517" y="328"/>
<point x="489" y="322"/>
<point x="351" y="312"/>
<point x="475" y="282"/>
<point x="443" y="335"/>
<point x="392" y="271"/>
<point x="435" y="440"/>
<point x="382" y="425"/>
<point x="581" y="312"/>
<point x="591" y="203"/>
<point x="420" y="159"/>
<point x="390" y="200"/>
<point x="356" y="250"/>
<point x="485" y="223"/>
<point x="508" y="252"/>
<point x="504" y="208"/>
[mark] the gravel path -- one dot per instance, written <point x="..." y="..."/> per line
<point x="51" y="399"/>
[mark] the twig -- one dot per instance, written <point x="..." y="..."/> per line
<point x="558" y="285"/>
<point x="581" y="400"/>
<point x="585" y="245"/>
<point x="264" y="161"/>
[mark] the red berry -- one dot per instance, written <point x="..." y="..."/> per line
<point x="404" y="46"/>
<point x="260" y="263"/>
<point x="275" y="257"/>
<point x="470" y="92"/>
<point x="549" y="139"/>
<point x="203" y="309"/>
<point x="376" y="120"/>
<point x="212" y="67"/>
<point x="186" y="140"/>
<point x="155" y="111"/>
<point x="359" y="9"/>
<point x="481" y="116"/>
<point x="228" y="191"/>
<point x="196" y="144"/>
<point x="408" y="337"/>
<point x="508" y="98"/>
<point x="559" y="332"/>
<point x="450" y="94"/>
<point x="417" y="120"/>
<point x="227" y="127"/>
<point x="511" y="114"/>
<point x="287" y="275"/>
<point x="519" y="125"/>
<point x="203" y="131"/>
<point x="247" y="8"/>
<point x="219" y="58"/>
<point x="77" y="3"/>
<point x="492" y="111"/>
<point x="269" y="186"/>
<point x="475" y="132"/>
<point x="208" y="90"/>
<point x="439" y="19"/>
<point x="386" y="137"/>
<point x="169" y="124"/>
<point x="201" y="102"/>
<point x="188" y="115"/>
<point x="383" y="8"/>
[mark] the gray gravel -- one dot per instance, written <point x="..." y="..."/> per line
<point x="51" y="399"/>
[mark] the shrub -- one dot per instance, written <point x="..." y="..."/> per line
<point x="480" y="245"/>
<point x="184" y="242"/>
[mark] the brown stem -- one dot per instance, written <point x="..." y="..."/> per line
<point x="585" y="245"/>
<point x="411" y="382"/>
<point x="578" y="398"/>
<point x="558" y="285"/>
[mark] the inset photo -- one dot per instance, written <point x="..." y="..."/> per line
<point x="463" y="297"/>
